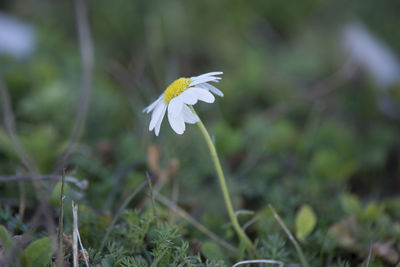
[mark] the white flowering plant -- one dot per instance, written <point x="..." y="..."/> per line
<point x="178" y="99"/>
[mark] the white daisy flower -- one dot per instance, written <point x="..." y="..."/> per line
<point x="177" y="97"/>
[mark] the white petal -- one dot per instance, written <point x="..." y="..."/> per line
<point x="203" y="95"/>
<point x="212" y="88"/>
<point x="176" y="121"/>
<point x="188" y="97"/>
<point x="189" y="116"/>
<point x="204" y="80"/>
<point x="157" y="115"/>
<point x="158" y="125"/>
<point x="209" y="74"/>
<point x="153" y="105"/>
<point x="175" y="106"/>
<point x="207" y="77"/>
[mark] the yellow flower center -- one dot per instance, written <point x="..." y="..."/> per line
<point x="176" y="88"/>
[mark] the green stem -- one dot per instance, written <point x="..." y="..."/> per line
<point x="222" y="182"/>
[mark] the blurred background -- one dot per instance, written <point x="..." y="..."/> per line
<point x="310" y="117"/>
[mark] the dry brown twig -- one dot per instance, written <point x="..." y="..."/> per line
<point x="152" y="198"/>
<point x="82" y="184"/>
<point x="164" y="176"/>
<point x="76" y="239"/>
<point x="174" y="198"/>
<point x="27" y="161"/>
<point x="87" y="61"/>
<point x="87" y="58"/>
<point x="10" y="128"/>
<point x="24" y="178"/>
<point x="60" y="250"/>
<point x="75" y="235"/>
<point x="299" y="251"/>
<point x="182" y="213"/>
<point x="22" y="202"/>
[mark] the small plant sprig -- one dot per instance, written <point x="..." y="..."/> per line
<point x="179" y="99"/>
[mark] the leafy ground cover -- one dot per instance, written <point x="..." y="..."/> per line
<point x="307" y="128"/>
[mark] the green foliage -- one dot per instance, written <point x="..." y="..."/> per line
<point x="274" y="247"/>
<point x="297" y="124"/>
<point x="212" y="250"/>
<point x="281" y="136"/>
<point x="305" y="222"/>
<point x="352" y="205"/>
<point x="38" y="253"/>
<point x="137" y="228"/>
<point x="343" y="263"/>
<point x="138" y="241"/>
<point x="11" y="220"/>
<point x="56" y="194"/>
<point x="228" y="141"/>
<point x="5" y="238"/>
<point x="327" y="164"/>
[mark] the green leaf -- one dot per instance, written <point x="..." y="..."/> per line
<point x="372" y="211"/>
<point x="305" y="222"/>
<point x="5" y="238"/>
<point x="38" y="253"/>
<point x="55" y="195"/>
<point x="350" y="204"/>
